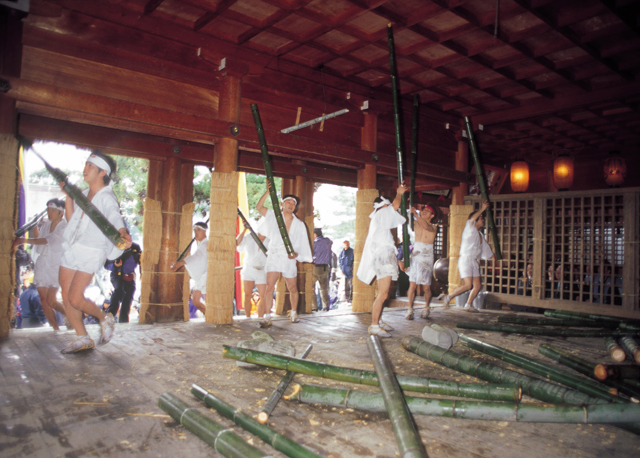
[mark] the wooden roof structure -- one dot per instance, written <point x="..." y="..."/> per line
<point x="142" y="77"/>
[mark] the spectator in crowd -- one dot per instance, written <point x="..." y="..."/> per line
<point x="346" y="266"/>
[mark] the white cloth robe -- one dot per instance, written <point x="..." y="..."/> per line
<point x="297" y="234"/>
<point x="473" y="244"/>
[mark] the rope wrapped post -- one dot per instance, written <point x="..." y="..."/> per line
<point x="220" y="438"/>
<point x="407" y="436"/>
<point x="399" y="149"/>
<point x="254" y="236"/>
<point x="265" y="433"/>
<point x="85" y="204"/>
<point x="483" y="188"/>
<point x="275" y="203"/>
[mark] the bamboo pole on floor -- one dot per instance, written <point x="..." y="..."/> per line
<point x="265" y="433"/>
<point x="407" y="436"/>
<point x="557" y="322"/>
<point x="631" y="347"/>
<point x="492" y="392"/>
<point x="546" y="331"/>
<point x="473" y="410"/>
<point x="220" y="438"/>
<point x="615" y="350"/>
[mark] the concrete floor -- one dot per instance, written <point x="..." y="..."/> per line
<point x="104" y="402"/>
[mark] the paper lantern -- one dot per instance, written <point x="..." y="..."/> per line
<point x="563" y="172"/>
<point x="519" y="176"/>
<point x="615" y="170"/>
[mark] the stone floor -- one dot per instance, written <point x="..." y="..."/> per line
<point x="104" y="402"/>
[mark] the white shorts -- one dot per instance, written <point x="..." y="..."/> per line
<point x="421" y="269"/>
<point x="468" y="267"/>
<point x="258" y="275"/>
<point x="46" y="274"/>
<point x="385" y="263"/>
<point x="280" y="262"/>
<point x="82" y="258"/>
<point x="201" y="283"/>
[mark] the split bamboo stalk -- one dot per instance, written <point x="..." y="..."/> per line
<point x="631" y="347"/>
<point x="585" y="368"/>
<point x="587" y="386"/>
<point x="492" y="392"/>
<point x="85" y="204"/>
<point x="557" y="322"/>
<point x="220" y="438"/>
<point x="265" y="433"/>
<point x="399" y="149"/>
<point x="547" y="331"/>
<point x="483" y="188"/>
<point x="272" y="402"/>
<point x="615" y="350"/>
<point x="275" y="203"/>
<point x="473" y="410"/>
<point x="254" y="236"/>
<point x="407" y="436"/>
<point x="535" y="388"/>
<point x="414" y="150"/>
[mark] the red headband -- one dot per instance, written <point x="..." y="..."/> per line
<point x="430" y="208"/>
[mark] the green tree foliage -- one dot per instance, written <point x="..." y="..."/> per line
<point x="201" y="190"/>
<point x="130" y="186"/>
<point x="256" y="187"/>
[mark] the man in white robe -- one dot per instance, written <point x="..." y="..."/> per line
<point x="379" y="258"/>
<point x="196" y="264"/>
<point x="473" y="247"/>
<point x="253" y="272"/>
<point x="278" y="261"/>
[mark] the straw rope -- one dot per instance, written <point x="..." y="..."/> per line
<point x="9" y="149"/>
<point x="151" y="238"/>
<point x="458" y="216"/>
<point x="221" y="248"/>
<point x="363" y="295"/>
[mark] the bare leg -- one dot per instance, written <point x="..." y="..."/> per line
<point x="48" y="311"/>
<point x="427" y="295"/>
<point x="462" y="289"/>
<point x="53" y="300"/>
<point x="196" y="298"/>
<point x="73" y="284"/>
<point x="292" y="286"/>
<point x="476" y="289"/>
<point x="411" y="294"/>
<point x="248" y="292"/>
<point x="262" y="290"/>
<point x="267" y="300"/>
<point x="383" y="293"/>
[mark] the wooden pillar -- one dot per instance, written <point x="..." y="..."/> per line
<point x="186" y="184"/>
<point x="283" y="304"/>
<point x="458" y="216"/>
<point x="309" y="222"/>
<point x="224" y="202"/>
<point x="300" y="190"/>
<point x="462" y="165"/>
<point x="364" y="295"/>
<point x="154" y="192"/>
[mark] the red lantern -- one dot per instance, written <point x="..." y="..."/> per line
<point x="563" y="172"/>
<point x="519" y="176"/>
<point x="615" y="170"/>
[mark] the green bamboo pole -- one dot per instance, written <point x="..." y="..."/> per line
<point x="30" y="225"/>
<point x="483" y="188"/>
<point x="414" y="150"/>
<point x="631" y="347"/>
<point x="273" y="400"/>
<point x="220" y="438"/>
<point x="399" y="150"/>
<point x="630" y="326"/>
<point x="547" y="331"/>
<point x="275" y="203"/>
<point x="535" y="388"/>
<point x="555" y="322"/>
<point x="492" y="392"/>
<point x="617" y="371"/>
<point x="407" y="436"/>
<point x="265" y="433"/>
<point x="474" y="410"/>
<point x="85" y="204"/>
<point x="585" y="368"/>
<point x="587" y="386"/>
<point x="615" y="350"/>
<point x="254" y="236"/>
<point x="589" y="316"/>
<point x="563" y="315"/>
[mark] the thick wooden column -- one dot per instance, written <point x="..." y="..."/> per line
<point x="169" y="287"/>
<point x="308" y="267"/>
<point x="283" y="304"/>
<point x="224" y="203"/>
<point x="462" y="165"/>
<point x="363" y="294"/>
<point x="300" y="190"/>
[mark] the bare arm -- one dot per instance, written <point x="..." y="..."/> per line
<point x="240" y="237"/>
<point x="400" y="192"/>
<point x="476" y="215"/>
<point x="422" y="224"/>
<point x="68" y="204"/>
<point x="22" y="240"/>
<point x="260" y="205"/>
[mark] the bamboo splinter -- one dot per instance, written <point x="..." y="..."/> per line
<point x="275" y="203"/>
<point x="399" y="151"/>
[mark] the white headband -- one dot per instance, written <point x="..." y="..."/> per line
<point x="292" y="198"/>
<point x="57" y="207"/>
<point x="100" y="163"/>
<point x="377" y="205"/>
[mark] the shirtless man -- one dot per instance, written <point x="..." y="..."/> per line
<point x="421" y="270"/>
<point x="278" y="261"/>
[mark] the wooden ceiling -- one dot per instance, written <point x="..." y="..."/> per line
<point x="537" y="77"/>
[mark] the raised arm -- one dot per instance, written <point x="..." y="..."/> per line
<point x="476" y="215"/>
<point x="399" y="193"/>
<point x="68" y="203"/>
<point x="240" y="236"/>
<point x="260" y="205"/>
